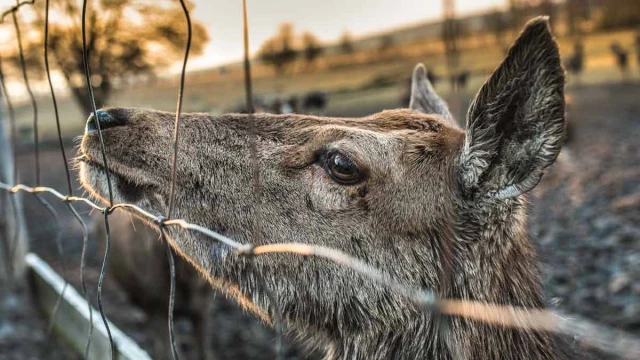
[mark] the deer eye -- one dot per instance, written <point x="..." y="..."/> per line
<point x="342" y="169"/>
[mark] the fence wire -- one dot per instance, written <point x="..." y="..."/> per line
<point x="601" y="337"/>
<point x="257" y="191"/>
<point x="34" y="108"/>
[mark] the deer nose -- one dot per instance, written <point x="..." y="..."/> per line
<point x="106" y="120"/>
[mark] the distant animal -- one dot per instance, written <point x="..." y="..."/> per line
<point x="139" y="264"/>
<point x="275" y="107"/>
<point x="259" y="103"/>
<point x="271" y="105"/>
<point x="459" y="80"/>
<point x="314" y="102"/>
<point x="407" y="190"/>
<point x="575" y="62"/>
<point x="293" y="104"/>
<point x="622" y="57"/>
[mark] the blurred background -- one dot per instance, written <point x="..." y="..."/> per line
<point x="350" y="58"/>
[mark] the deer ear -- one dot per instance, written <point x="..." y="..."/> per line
<point x="424" y="98"/>
<point x="515" y="125"/>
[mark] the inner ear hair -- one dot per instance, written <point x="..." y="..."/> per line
<point x="516" y="122"/>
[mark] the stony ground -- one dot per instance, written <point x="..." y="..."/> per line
<point x="585" y="220"/>
<point x="585" y="215"/>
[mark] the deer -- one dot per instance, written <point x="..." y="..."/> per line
<point x="622" y="57"/>
<point x="407" y="191"/>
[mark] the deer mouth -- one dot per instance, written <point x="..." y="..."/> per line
<point x="126" y="187"/>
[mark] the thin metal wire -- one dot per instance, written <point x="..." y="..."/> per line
<point x="174" y="170"/>
<point x="50" y="209"/>
<point x="257" y="190"/>
<point x="276" y="314"/>
<point x="176" y="128"/>
<point x="53" y="97"/>
<point x="13" y="243"/>
<point x="589" y="333"/>
<point x="172" y="290"/>
<point x="424" y="298"/>
<point x="83" y="264"/>
<point x="248" y="88"/>
<point x="85" y="235"/>
<point x="15" y="8"/>
<point x="32" y="98"/>
<point x="92" y="99"/>
<point x="103" y="272"/>
<point x="61" y="257"/>
<point x="441" y="321"/>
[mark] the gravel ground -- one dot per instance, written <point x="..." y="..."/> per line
<point x="585" y="219"/>
<point x="585" y="215"/>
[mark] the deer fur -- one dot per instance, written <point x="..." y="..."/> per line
<point x="437" y="207"/>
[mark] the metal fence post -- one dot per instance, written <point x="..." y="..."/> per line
<point x="9" y="223"/>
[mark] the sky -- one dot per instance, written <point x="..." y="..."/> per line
<point x="326" y="19"/>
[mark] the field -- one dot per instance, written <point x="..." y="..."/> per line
<point x="355" y="90"/>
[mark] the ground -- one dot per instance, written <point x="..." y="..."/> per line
<point x="585" y="221"/>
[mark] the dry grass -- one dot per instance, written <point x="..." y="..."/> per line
<point x="215" y="92"/>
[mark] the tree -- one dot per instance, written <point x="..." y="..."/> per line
<point x="278" y="51"/>
<point x="125" y="39"/>
<point x="311" y="48"/>
<point x="346" y="43"/>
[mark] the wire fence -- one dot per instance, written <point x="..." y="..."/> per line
<point x="604" y="338"/>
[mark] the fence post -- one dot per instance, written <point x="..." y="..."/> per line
<point x="9" y="224"/>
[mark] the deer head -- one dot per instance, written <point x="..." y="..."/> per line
<point x="406" y="191"/>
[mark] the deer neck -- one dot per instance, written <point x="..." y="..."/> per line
<point x="493" y="262"/>
<point x="497" y="264"/>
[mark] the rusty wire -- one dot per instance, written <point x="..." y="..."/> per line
<point x="34" y="106"/>
<point x="92" y="101"/>
<point x="52" y="212"/>
<point x="83" y="226"/>
<point x="174" y="170"/>
<point x="105" y="260"/>
<point x="14" y="9"/>
<point x="32" y="98"/>
<point x="604" y="338"/>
